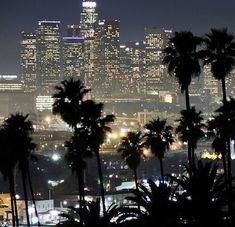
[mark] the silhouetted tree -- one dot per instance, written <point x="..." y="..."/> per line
<point x="159" y="137"/>
<point x="182" y="60"/>
<point x="131" y="149"/>
<point x="203" y="195"/>
<point x="190" y="129"/>
<point x="158" y="204"/>
<point x="97" y="126"/>
<point x="69" y="97"/>
<point x="220" y="54"/>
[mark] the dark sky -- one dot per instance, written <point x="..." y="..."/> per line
<point x="195" y="15"/>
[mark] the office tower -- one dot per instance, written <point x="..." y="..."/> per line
<point x="107" y="57"/>
<point x="73" y="30"/>
<point x="211" y="85"/>
<point x="230" y="84"/>
<point x="28" y="61"/>
<point x="155" y="42"/>
<point x="132" y="65"/>
<point x="88" y="17"/>
<point x="48" y="54"/>
<point x="73" y="59"/>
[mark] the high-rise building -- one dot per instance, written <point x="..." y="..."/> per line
<point x="155" y="41"/>
<point x="73" y="59"/>
<point x="132" y="65"/>
<point x="28" y="61"/>
<point x="88" y="17"/>
<point x="107" y="57"/>
<point x="211" y="85"/>
<point x="48" y="55"/>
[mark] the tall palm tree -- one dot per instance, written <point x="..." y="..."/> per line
<point x="159" y="138"/>
<point x="182" y="60"/>
<point x="68" y="98"/>
<point x="190" y="130"/>
<point x="97" y="126"/>
<point x="20" y="130"/>
<point x="223" y="125"/>
<point x="7" y="166"/>
<point x="77" y="151"/>
<point x="219" y="53"/>
<point x="131" y="149"/>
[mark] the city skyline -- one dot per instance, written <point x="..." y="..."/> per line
<point x="180" y="16"/>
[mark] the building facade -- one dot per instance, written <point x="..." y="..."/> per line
<point x="28" y="61"/>
<point x="48" y="55"/>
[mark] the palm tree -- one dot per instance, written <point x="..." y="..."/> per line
<point x="158" y="203"/>
<point x="97" y="127"/>
<point x="7" y="166"/>
<point x="77" y="151"/>
<point x="203" y="195"/>
<point x="223" y="125"/>
<point x="182" y="60"/>
<point x="190" y="130"/>
<point x="219" y="54"/>
<point x="69" y="97"/>
<point x="159" y="138"/>
<point x="17" y="146"/>
<point x="131" y="149"/>
<point x="19" y="130"/>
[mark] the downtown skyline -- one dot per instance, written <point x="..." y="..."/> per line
<point x="134" y="16"/>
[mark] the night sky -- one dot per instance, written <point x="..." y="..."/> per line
<point x="195" y="15"/>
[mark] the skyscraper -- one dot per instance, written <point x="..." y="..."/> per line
<point x="156" y="40"/>
<point x="73" y="57"/>
<point x="107" y="56"/>
<point x="48" y="53"/>
<point x="28" y="61"/>
<point x="88" y="17"/>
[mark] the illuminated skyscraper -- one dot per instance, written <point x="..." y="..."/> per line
<point x="73" y="58"/>
<point x="28" y="61"/>
<point x="132" y="64"/>
<point x="48" y="53"/>
<point x="88" y="17"/>
<point x="156" y="40"/>
<point x="107" y="57"/>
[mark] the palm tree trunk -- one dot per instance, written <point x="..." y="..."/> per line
<point x="187" y="99"/>
<point x="12" y="207"/>
<point x="193" y="156"/>
<point x="224" y="90"/>
<point x="162" y="170"/>
<point x="136" y="185"/>
<point x="230" y="179"/>
<point x="12" y="190"/>
<point x="230" y="201"/>
<point x="225" y="171"/>
<point x="24" y="177"/>
<point x="189" y="143"/>
<point x="101" y="179"/>
<point x="33" y="198"/>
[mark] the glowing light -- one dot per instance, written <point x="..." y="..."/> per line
<point x="89" y="4"/>
<point x="55" y="157"/>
